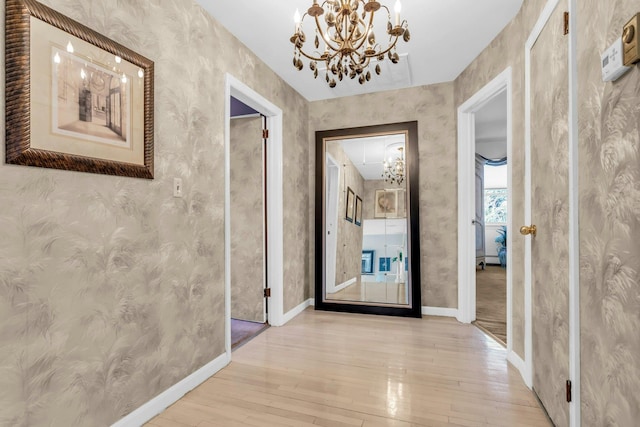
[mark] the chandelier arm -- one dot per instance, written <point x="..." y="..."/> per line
<point x="366" y="33"/>
<point x="308" y="56"/>
<point x="322" y="34"/>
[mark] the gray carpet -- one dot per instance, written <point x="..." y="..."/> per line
<point x="491" y="301"/>
<point x="242" y="331"/>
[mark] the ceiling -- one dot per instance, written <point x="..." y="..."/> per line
<point x="446" y="35"/>
<point x="367" y="154"/>
<point x="491" y="128"/>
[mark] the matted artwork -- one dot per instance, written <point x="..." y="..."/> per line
<point x="76" y="100"/>
<point x="358" y="217"/>
<point x="350" y="204"/>
<point x="386" y="204"/>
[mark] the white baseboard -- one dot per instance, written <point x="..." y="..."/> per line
<point x="343" y="285"/>
<point x="517" y="362"/>
<point x="297" y="310"/>
<point x="440" y="311"/>
<point x="171" y="395"/>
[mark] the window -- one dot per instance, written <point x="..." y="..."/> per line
<point x="385" y="264"/>
<point x="495" y="206"/>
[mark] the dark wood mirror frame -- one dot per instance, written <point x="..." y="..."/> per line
<point x="415" y="308"/>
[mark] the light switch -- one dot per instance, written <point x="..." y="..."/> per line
<point x="630" y="45"/>
<point x="177" y="187"/>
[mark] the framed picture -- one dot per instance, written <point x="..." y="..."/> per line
<point x="75" y="99"/>
<point x="358" y="218"/>
<point x="385" y="264"/>
<point x="386" y="204"/>
<point x="367" y="261"/>
<point x="350" y="204"/>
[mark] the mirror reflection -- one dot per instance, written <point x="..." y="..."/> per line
<point x="366" y="221"/>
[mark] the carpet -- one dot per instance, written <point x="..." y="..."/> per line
<point x="491" y="301"/>
<point x="242" y="331"/>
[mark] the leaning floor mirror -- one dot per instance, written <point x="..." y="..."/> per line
<point x="367" y="220"/>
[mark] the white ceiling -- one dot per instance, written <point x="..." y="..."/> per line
<point x="367" y="154"/>
<point x="491" y="128"/>
<point x="446" y="35"/>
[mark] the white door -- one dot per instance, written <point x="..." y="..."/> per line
<point x="332" y="186"/>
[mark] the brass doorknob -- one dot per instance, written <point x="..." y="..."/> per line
<point x="524" y="230"/>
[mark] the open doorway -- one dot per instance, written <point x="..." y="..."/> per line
<point x="249" y="303"/>
<point x="270" y="216"/>
<point x="491" y="217"/>
<point x="498" y="91"/>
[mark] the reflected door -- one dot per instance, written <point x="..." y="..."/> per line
<point x="550" y="213"/>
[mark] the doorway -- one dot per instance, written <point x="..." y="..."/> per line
<point x="273" y="269"/>
<point x="491" y="202"/>
<point x="499" y="90"/>
<point x="249" y="302"/>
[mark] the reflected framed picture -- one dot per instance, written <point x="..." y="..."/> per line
<point x="367" y="261"/>
<point x="386" y="204"/>
<point x="350" y="204"/>
<point x="75" y="99"/>
<point x="358" y="217"/>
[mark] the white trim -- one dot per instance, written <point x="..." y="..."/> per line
<point x="528" y="320"/>
<point x="574" y="228"/>
<point x="466" y="198"/>
<point x="439" y="311"/>
<point x="243" y="93"/>
<point x="342" y="285"/>
<point x="516" y="361"/>
<point x="171" y="395"/>
<point x="298" y="309"/>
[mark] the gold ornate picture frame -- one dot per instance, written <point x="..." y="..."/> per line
<point x="75" y="99"/>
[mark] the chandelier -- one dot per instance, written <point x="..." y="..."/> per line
<point x="393" y="171"/>
<point x="348" y="37"/>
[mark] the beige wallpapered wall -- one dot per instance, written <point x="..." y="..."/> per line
<point x="111" y="290"/>
<point x="432" y="107"/>
<point x="609" y="180"/>
<point x="349" y="237"/>
<point x="247" y="219"/>
<point x="507" y="49"/>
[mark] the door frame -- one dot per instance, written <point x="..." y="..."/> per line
<point x="274" y="204"/>
<point x="502" y="83"/>
<point x="574" y="236"/>
<point x="332" y="208"/>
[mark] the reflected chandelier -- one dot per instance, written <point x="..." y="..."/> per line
<point x="394" y="170"/>
<point x="348" y="37"/>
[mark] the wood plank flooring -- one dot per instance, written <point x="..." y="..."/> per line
<point x="345" y="370"/>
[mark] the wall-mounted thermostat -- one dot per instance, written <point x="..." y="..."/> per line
<point x="612" y="66"/>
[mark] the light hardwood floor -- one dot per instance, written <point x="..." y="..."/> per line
<point x="333" y="369"/>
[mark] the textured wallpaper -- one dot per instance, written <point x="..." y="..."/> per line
<point x="111" y="290"/>
<point x="550" y="212"/>
<point x="609" y="156"/>
<point x="247" y="220"/>
<point x="432" y="107"/>
<point x="349" y="237"/>
<point x="507" y="49"/>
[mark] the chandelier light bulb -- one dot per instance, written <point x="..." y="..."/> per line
<point x="124" y="78"/>
<point x="69" y="47"/>
<point x="118" y="59"/>
<point x="56" y="58"/>
<point x="83" y="74"/>
<point x="297" y="19"/>
<point x="140" y="73"/>
<point x="397" y="8"/>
